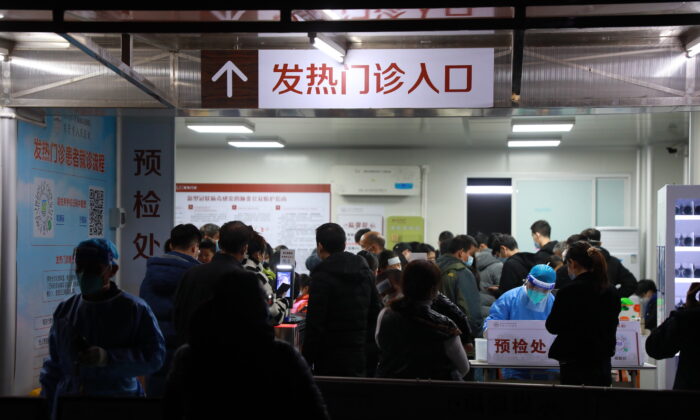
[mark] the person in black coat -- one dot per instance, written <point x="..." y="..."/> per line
<point x="196" y="286"/>
<point x="680" y="333"/>
<point x="585" y="317"/>
<point x="232" y="360"/>
<point x="158" y="290"/>
<point x="621" y="278"/>
<point x="517" y="264"/>
<point x="343" y="308"/>
<point x="541" y="231"/>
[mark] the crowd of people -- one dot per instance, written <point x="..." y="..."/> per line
<point x="207" y="308"/>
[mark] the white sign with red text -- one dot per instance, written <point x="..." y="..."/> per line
<point x="527" y="343"/>
<point x="407" y="78"/>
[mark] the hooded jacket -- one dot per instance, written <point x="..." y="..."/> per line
<point x="489" y="268"/>
<point x="545" y="252"/>
<point x="459" y="285"/>
<point x="159" y="286"/>
<point x="341" y="316"/>
<point x="515" y="269"/>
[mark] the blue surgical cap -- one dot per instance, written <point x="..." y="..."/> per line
<point x="97" y="249"/>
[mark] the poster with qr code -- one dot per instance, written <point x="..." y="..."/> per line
<point x="66" y="183"/>
<point x="96" y="216"/>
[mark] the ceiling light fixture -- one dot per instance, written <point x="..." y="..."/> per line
<point x="534" y="143"/>
<point x="490" y="189"/>
<point x="222" y="128"/>
<point x="327" y="46"/>
<point x="332" y="14"/>
<point x="692" y="48"/>
<point x="543" y="127"/>
<point x="257" y="144"/>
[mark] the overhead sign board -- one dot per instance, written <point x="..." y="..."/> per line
<point x="298" y="79"/>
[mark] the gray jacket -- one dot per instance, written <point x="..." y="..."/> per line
<point x="489" y="268"/>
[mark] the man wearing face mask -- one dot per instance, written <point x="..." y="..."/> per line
<point x="531" y="301"/>
<point x="102" y="338"/>
<point x="458" y="283"/>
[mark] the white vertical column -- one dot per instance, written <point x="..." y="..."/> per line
<point x="694" y="149"/>
<point x="8" y="250"/>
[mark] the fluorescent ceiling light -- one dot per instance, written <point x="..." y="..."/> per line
<point x="2" y="16"/>
<point x="533" y="143"/>
<point x="692" y="48"/>
<point x="328" y="47"/>
<point x="231" y="128"/>
<point x="256" y="144"/>
<point x="332" y="14"/>
<point x="554" y="127"/>
<point x="490" y="189"/>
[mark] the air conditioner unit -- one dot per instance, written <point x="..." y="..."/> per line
<point x="376" y="180"/>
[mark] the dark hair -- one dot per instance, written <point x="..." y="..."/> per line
<point x="427" y="248"/>
<point x="444" y="240"/>
<point x="374" y="238"/>
<point x="184" y="236"/>
<point x="234" y="236"/>
<point x="553" y="260"/>
<point x="591" y="235"/>
<point x="359" y="233"/>
<point x="541" y="227"/>
<point x="167" y="246"/>
<point x="256" y="243"/>
<point x="573" y="239"/>
<point x="207" y="244"/>
<point x="371" y="259"/>
<point x="420" y="280"/>
<point x="210" y="230"/>
<point x="644" y="286"/>
<point x="384" y="258"/>
<point x="268" y="250"/>
<point x="303" y="280"/>
<point x="331" y="237"/>
<point x="461" y="243"/>
<point x="503" y="239"/>
<point x="401" y="247"/>
<point x="481" y="238"/>
<point x="591" y="259"/>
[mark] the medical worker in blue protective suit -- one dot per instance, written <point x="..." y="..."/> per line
<point x="103" y="338"/>
<point x="532" y="301"/>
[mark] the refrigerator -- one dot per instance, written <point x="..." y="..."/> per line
<point x="678" y="257"/>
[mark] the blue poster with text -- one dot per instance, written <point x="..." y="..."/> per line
<point x="66" y="185"/>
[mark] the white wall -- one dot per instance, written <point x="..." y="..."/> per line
<point x="448" y="170"/>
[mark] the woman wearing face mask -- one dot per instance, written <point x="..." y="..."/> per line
<point x="531" y="301"/>
<point x="102" y="338"/>
<point x="584" y="318"/>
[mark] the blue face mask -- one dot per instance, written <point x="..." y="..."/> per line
<point x="470" y="261"/>
<point x="537" y="246"/>
<point x="536" y="296"/>
<point x="89" y="284"/>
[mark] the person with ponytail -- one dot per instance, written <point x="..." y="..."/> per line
<point x="584" y="317"/>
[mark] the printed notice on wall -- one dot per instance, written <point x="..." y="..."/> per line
<point x="354" y="218"/>
<point x="284" y="214"/>
<point x="66" y="179"/>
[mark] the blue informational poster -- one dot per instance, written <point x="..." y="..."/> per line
<point x="66" y="185"/>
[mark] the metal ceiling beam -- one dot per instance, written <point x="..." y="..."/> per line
<point x="93" y="50"/>
<point x="625" y="21"/>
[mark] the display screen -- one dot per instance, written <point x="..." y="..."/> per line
<point x="285" y="277"/>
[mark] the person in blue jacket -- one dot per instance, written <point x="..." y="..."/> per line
<point x="102" y="338"/>
<point x="158" y="290"/>
<point x="531" y="301"/>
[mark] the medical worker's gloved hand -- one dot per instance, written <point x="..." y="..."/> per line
<point x="93" y="356"/>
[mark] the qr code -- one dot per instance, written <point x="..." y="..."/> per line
<point x="97" y="213"/>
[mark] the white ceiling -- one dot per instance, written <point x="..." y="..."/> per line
<point x="443" y="132"/>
